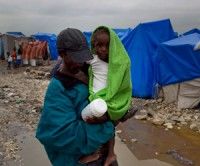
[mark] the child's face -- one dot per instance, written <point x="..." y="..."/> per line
<point x="102" y="46"/>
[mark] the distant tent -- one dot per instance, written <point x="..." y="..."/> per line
<point x="176" y="60"/>
<point x="11" y="40"/>
<point x="88" y="37"/>
<point x="51" y="39"/>
<point x="1" y="48"/>
<point x="16" y="34"/>
<point x="141" y="44"/>
<point x="120" y="32"/>
<point x="195" y="30"/>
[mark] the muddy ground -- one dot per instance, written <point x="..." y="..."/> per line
<point x="159" y="130"/>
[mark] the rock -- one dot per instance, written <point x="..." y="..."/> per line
<point x="151" y="113"/>
<point x="141" y="117"/>
<point x="10" y="94"/>
<point x="169" y="121"/>
<point x="196" y="117"/>
<point x="28" y="70"/>
<point x="193" y="126"/>
<point x="119" y="131"/>
<point x="47" y="75"/>
<point x="184" y="123"/>
<point x="34" y="111"/>
<point x="159" y="107"/>
<point x="133" y="140"/>
<point x="123" y="140"/>
<point x="157" y="121"/>
<point x="168" y="125"/>
<point x="159" y="100"/>
<point x="143" y="111"/>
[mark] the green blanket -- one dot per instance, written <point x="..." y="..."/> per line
<point x="118" y="92"/>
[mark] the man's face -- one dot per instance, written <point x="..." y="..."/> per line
<point x="102" y="46"/>
<point x="72" y="66"/>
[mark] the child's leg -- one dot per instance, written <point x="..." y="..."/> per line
<point x="89" y="158"/>
<point x="111" y="154"/>
<point x="9" y="65"/>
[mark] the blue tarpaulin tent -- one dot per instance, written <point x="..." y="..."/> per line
<point x="195" y="30"/>
<point x="120" y="32"/>
<point x="176" y="60"/>
<point x="51" y="39"/>
<point x="16" y="34"/>
<point x="141" y="44"/>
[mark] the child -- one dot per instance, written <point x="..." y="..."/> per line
<point x="19" y="55"/>
<point x="109" y="79"/>
<point x="14" y="58"/>
<point x="9" y="60"/>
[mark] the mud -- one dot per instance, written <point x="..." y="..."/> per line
<point x="155" y="142"/>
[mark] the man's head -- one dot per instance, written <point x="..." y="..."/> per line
<point x="72" y="47"/>
<point x="73" y="43"/>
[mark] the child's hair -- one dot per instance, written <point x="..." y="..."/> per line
<point x="8" y="53"/>
<point x="96" y="33"/>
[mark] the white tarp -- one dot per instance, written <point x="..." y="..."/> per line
<point x="189" y="94"/>
<point x="186" y="94"/>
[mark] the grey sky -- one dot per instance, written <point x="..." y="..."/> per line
<point x="31" y="16"/>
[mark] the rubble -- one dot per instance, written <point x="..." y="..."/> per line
<point x="21" y="98"/>
<point x="167" y="115"/>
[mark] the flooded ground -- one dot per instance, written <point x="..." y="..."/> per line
<point x="178" y="147"/>
<point x="32" y="154"/>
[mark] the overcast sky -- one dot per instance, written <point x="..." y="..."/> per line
<point x="52" y="16"/>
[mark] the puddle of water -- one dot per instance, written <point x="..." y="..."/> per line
<point x="154" y="142"/>
<point x="33" y="154"/>
<point x="126" y="157"/>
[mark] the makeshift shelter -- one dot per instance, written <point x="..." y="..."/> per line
<point x="1" y="47"/>
<point x="179" y="54"/>
<point x="51" y="40"/>
<point x="177" y="62"/>
<point x="195" y="30"/>
<point x="120" y="32"/>
<point x="141" y="44"/>
<point x="11" y="40"/>
<point x="34" y="52"/>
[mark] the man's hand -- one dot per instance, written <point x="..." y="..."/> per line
<point x="95" y="120"/>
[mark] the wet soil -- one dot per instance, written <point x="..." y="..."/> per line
<point x="178" y="147"/>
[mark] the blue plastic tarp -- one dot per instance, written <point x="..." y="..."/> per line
<point x="122" y="33"/>
<point x="16" y="34"/>
<point x="141" y="44"/>
<point x="88" y="37"/>
<point x="176" y="61"/>
<point x="51" y="39"/>
<point x="195" y="30"/>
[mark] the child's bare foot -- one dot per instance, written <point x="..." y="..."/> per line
<point x="110" y="159"/>
<point x="89" y="158"/>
